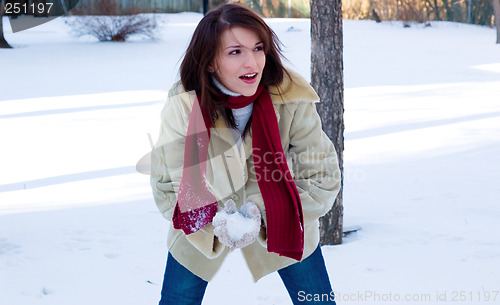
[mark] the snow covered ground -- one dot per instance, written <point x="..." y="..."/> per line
<point x="422" y="107"/>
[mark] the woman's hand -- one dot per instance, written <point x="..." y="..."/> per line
<point x="220" y="224"/>
<point x="250" y="211"/>
<point x="237" y="229"/>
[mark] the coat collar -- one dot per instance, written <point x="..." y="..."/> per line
<point x="293" y="89"/>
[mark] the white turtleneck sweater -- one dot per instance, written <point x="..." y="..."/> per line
<point x="242" y="115"/>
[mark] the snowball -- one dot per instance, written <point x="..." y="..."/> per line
<point x="238" y="225"/>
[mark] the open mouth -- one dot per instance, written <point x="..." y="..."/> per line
<point x="249" y="76"/>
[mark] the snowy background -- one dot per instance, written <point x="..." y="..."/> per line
<point x="422" y="109"/>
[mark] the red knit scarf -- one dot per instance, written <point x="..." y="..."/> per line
<point x="196" y="206"/>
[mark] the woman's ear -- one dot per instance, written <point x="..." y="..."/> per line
<point x="212" y="67"/>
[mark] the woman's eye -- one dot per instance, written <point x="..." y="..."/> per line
<point x="234" y="52"/>
<point x="259" y="48"/>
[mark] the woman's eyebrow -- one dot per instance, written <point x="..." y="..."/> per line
<point x="240" y="46"/>
<point x="233" y="46"/>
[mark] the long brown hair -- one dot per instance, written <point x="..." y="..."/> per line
<point x="205" y="44"/>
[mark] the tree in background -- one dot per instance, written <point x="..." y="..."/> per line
<point x="208" y="5"/>
<point x="278" y="8"/>
<point x="111" y="21"/>
<point x="496" y="7"/>
<point x="471" y="11"/>
<point x="481" y="12"/>
<point x="3" y="43"/>
<point x="328" y="81"/>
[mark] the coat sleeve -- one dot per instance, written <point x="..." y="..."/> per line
<point x="167" y="157"/>
<point x="167" y="160"/>
<point x="313" y="163"/>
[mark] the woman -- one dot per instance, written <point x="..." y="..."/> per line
<point x="242" y="162"/>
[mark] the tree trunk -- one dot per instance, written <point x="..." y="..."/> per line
<point x="436" y="10"/>
<point x="3" y="43"/>
<point x="496" y="8"/>
<point x="449" y="13"/>
<point x="205" y="7"/>
<point x="327" y="79"/>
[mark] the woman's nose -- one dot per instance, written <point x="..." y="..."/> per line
<point x="250" y="60"/>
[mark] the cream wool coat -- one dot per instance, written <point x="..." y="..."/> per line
<point x="311" y="158"/>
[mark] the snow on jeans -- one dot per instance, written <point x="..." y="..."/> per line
<point x="307" y="282"/>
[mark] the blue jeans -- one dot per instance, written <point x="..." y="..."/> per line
<point x="307" y="283"/>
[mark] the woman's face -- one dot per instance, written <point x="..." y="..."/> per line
<point x="240" y="60"/>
